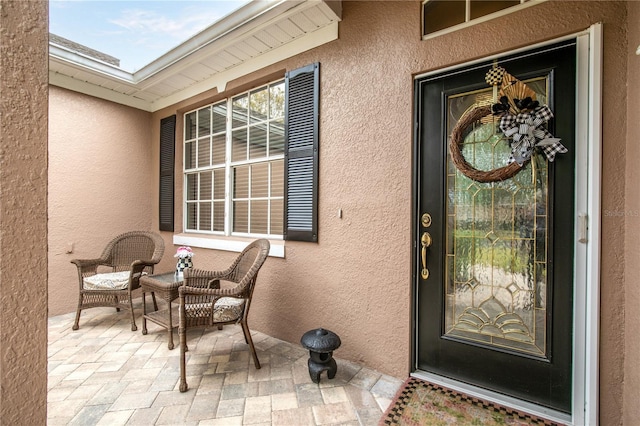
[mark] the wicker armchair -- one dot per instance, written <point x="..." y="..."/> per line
<point x="203" y="303"/>
<point x="126" y="258"/>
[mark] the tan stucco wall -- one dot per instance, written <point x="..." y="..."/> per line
<point x="632" y="227"/>
<point x="23" y="212"/>
<point x="99" y="183"/>
<point x="357" y="281"/>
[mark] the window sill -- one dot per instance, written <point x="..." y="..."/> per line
<point x="226" y="244"/>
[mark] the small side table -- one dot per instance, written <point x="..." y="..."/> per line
<point x="165" y="286"/>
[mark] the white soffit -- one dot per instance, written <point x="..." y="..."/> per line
<point x="256" y="35"/>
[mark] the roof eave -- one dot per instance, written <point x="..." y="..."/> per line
<point x="170" y="78"/>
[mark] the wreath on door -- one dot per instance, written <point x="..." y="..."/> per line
<point x="522" y="121"/>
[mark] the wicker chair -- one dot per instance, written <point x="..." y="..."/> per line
<point x="125" y="259"/>
<point x="204" y="304"/>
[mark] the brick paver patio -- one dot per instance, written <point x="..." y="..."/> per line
<point x="106" y="374"/>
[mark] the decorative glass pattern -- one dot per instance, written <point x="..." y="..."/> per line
<point x="496" y="284"/>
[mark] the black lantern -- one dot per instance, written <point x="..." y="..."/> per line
<point x="321" y="343"/>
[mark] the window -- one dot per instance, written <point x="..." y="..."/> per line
<point x="250" y="164"/>
<point x="234" y="164"/>
<point x="439" y="15"/>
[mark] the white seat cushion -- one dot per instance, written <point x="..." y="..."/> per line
<point x="107" y="281"/>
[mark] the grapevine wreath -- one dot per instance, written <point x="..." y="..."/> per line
<point x="522" y="121"/>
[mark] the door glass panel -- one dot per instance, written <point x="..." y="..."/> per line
<point x="496" y="270"/>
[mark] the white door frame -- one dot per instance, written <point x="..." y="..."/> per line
<point x="587" y="245"/>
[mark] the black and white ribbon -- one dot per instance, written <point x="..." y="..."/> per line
<point x="527" y="132"/>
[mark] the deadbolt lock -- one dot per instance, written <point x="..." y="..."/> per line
<point x="426" y="220"/>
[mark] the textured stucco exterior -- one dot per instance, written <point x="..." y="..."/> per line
<point x="357" y="280"/>
<point x="100" y="175"/>
<point x="631" y="370"/>
<point x="23" y="212"/>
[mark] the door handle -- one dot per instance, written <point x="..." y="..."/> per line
<point x="425" y="241"/>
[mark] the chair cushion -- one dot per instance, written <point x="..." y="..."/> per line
<point x="228" y="309"/>
<point x="225" y="309"/>
<point x="107" y="281"/>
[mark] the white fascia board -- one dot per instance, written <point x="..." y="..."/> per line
<point x="66" y="82"/>
<point x="220" y="80"/>
<point x="84" y="62"/>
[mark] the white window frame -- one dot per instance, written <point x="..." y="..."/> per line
<point x="229" y="167"/>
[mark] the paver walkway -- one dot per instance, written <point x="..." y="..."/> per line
<point x="106" y="374"/>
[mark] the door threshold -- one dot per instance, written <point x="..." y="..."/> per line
<point x="498" y="398"/>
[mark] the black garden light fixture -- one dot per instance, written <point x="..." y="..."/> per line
<point x="321" y="343"/>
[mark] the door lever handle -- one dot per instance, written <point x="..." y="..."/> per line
<point x="425" y="241"/>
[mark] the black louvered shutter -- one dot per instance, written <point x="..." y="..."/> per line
<point x="167" y="164"/>
<point x="302" y="109"/>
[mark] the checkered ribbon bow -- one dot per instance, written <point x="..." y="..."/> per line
<point x="494" y="76"/>
<point x="527" y="132"/>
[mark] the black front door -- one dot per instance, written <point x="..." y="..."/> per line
<point x="494" y="261"/>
